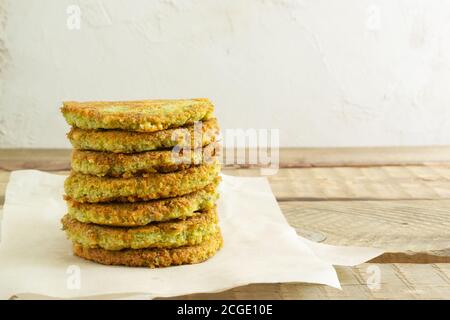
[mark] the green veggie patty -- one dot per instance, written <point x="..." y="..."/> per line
<point x="139" y="115"/>
<point x="88" y="188"/>
<point x="153" y="257"/>
<point x="120" y="141"/>
<point x="143" y="213"/>
<point x="176" y="233"/>
<point x="130" y="164"/>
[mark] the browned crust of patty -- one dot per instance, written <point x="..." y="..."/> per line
<point x="153" y="258"/>
<point x="131" y="214"/>
<point x="126" y="165"/>
<point x="94" y="232"/>
<point x="88" y="188"/>
<point x="137" y="115"/>
<point x="121" y="141"/>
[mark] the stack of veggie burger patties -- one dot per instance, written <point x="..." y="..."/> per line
<point x="144" y="180"/>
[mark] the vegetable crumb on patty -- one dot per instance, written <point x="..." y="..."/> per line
<point x="88" y="188"/>
<point x="120" y="141"/>
<point x="140" y="115"/>
<point x="153" y="258"/>
<point x="143" y="213"/>
<point x="130" y="164"/>
<point x="170" y="234"/>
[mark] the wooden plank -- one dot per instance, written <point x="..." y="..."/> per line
<point x="358" y="183"/>
<point x="393" y="281"/>
<point x="402" y="226"/>
<point x="432" y="256"/>
<point x="379" y="195"/>
<point x="351" y="183"/>
<point x="411" y="231"/>
<point x="58" y="159"/>
<point x="42" y="159"/>
<point x="364" y="156"/>
<point x="374" y="183"/>
<point x="397" y="281"/>
<point x="406" y="281"/>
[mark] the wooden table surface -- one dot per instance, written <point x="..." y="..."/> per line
<point x="393" y="198"/>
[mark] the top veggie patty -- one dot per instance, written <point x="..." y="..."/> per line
<point x="142" y="115"/>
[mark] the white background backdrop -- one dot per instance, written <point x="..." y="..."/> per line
<point x="326" y="73"/>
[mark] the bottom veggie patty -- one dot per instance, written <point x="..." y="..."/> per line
<point x="170" y="234"/>
<point x="153" y="258"/>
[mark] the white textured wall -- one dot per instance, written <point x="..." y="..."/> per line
<point x="327" y="73"/>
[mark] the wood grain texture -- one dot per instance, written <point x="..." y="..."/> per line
<point x="358" y="183"/>
<point x="409" y="230"/>
<point x="351" y="183"/>
<point x="58" y="159"/>
<point x="397" y="281"/>
<point x="396" y="226"/>
<point x="364" y="156"/>
<point x="396" y="199"/>
<point x="41" y="159"/>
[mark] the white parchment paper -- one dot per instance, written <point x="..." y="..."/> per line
<point x="260" y="247"/>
